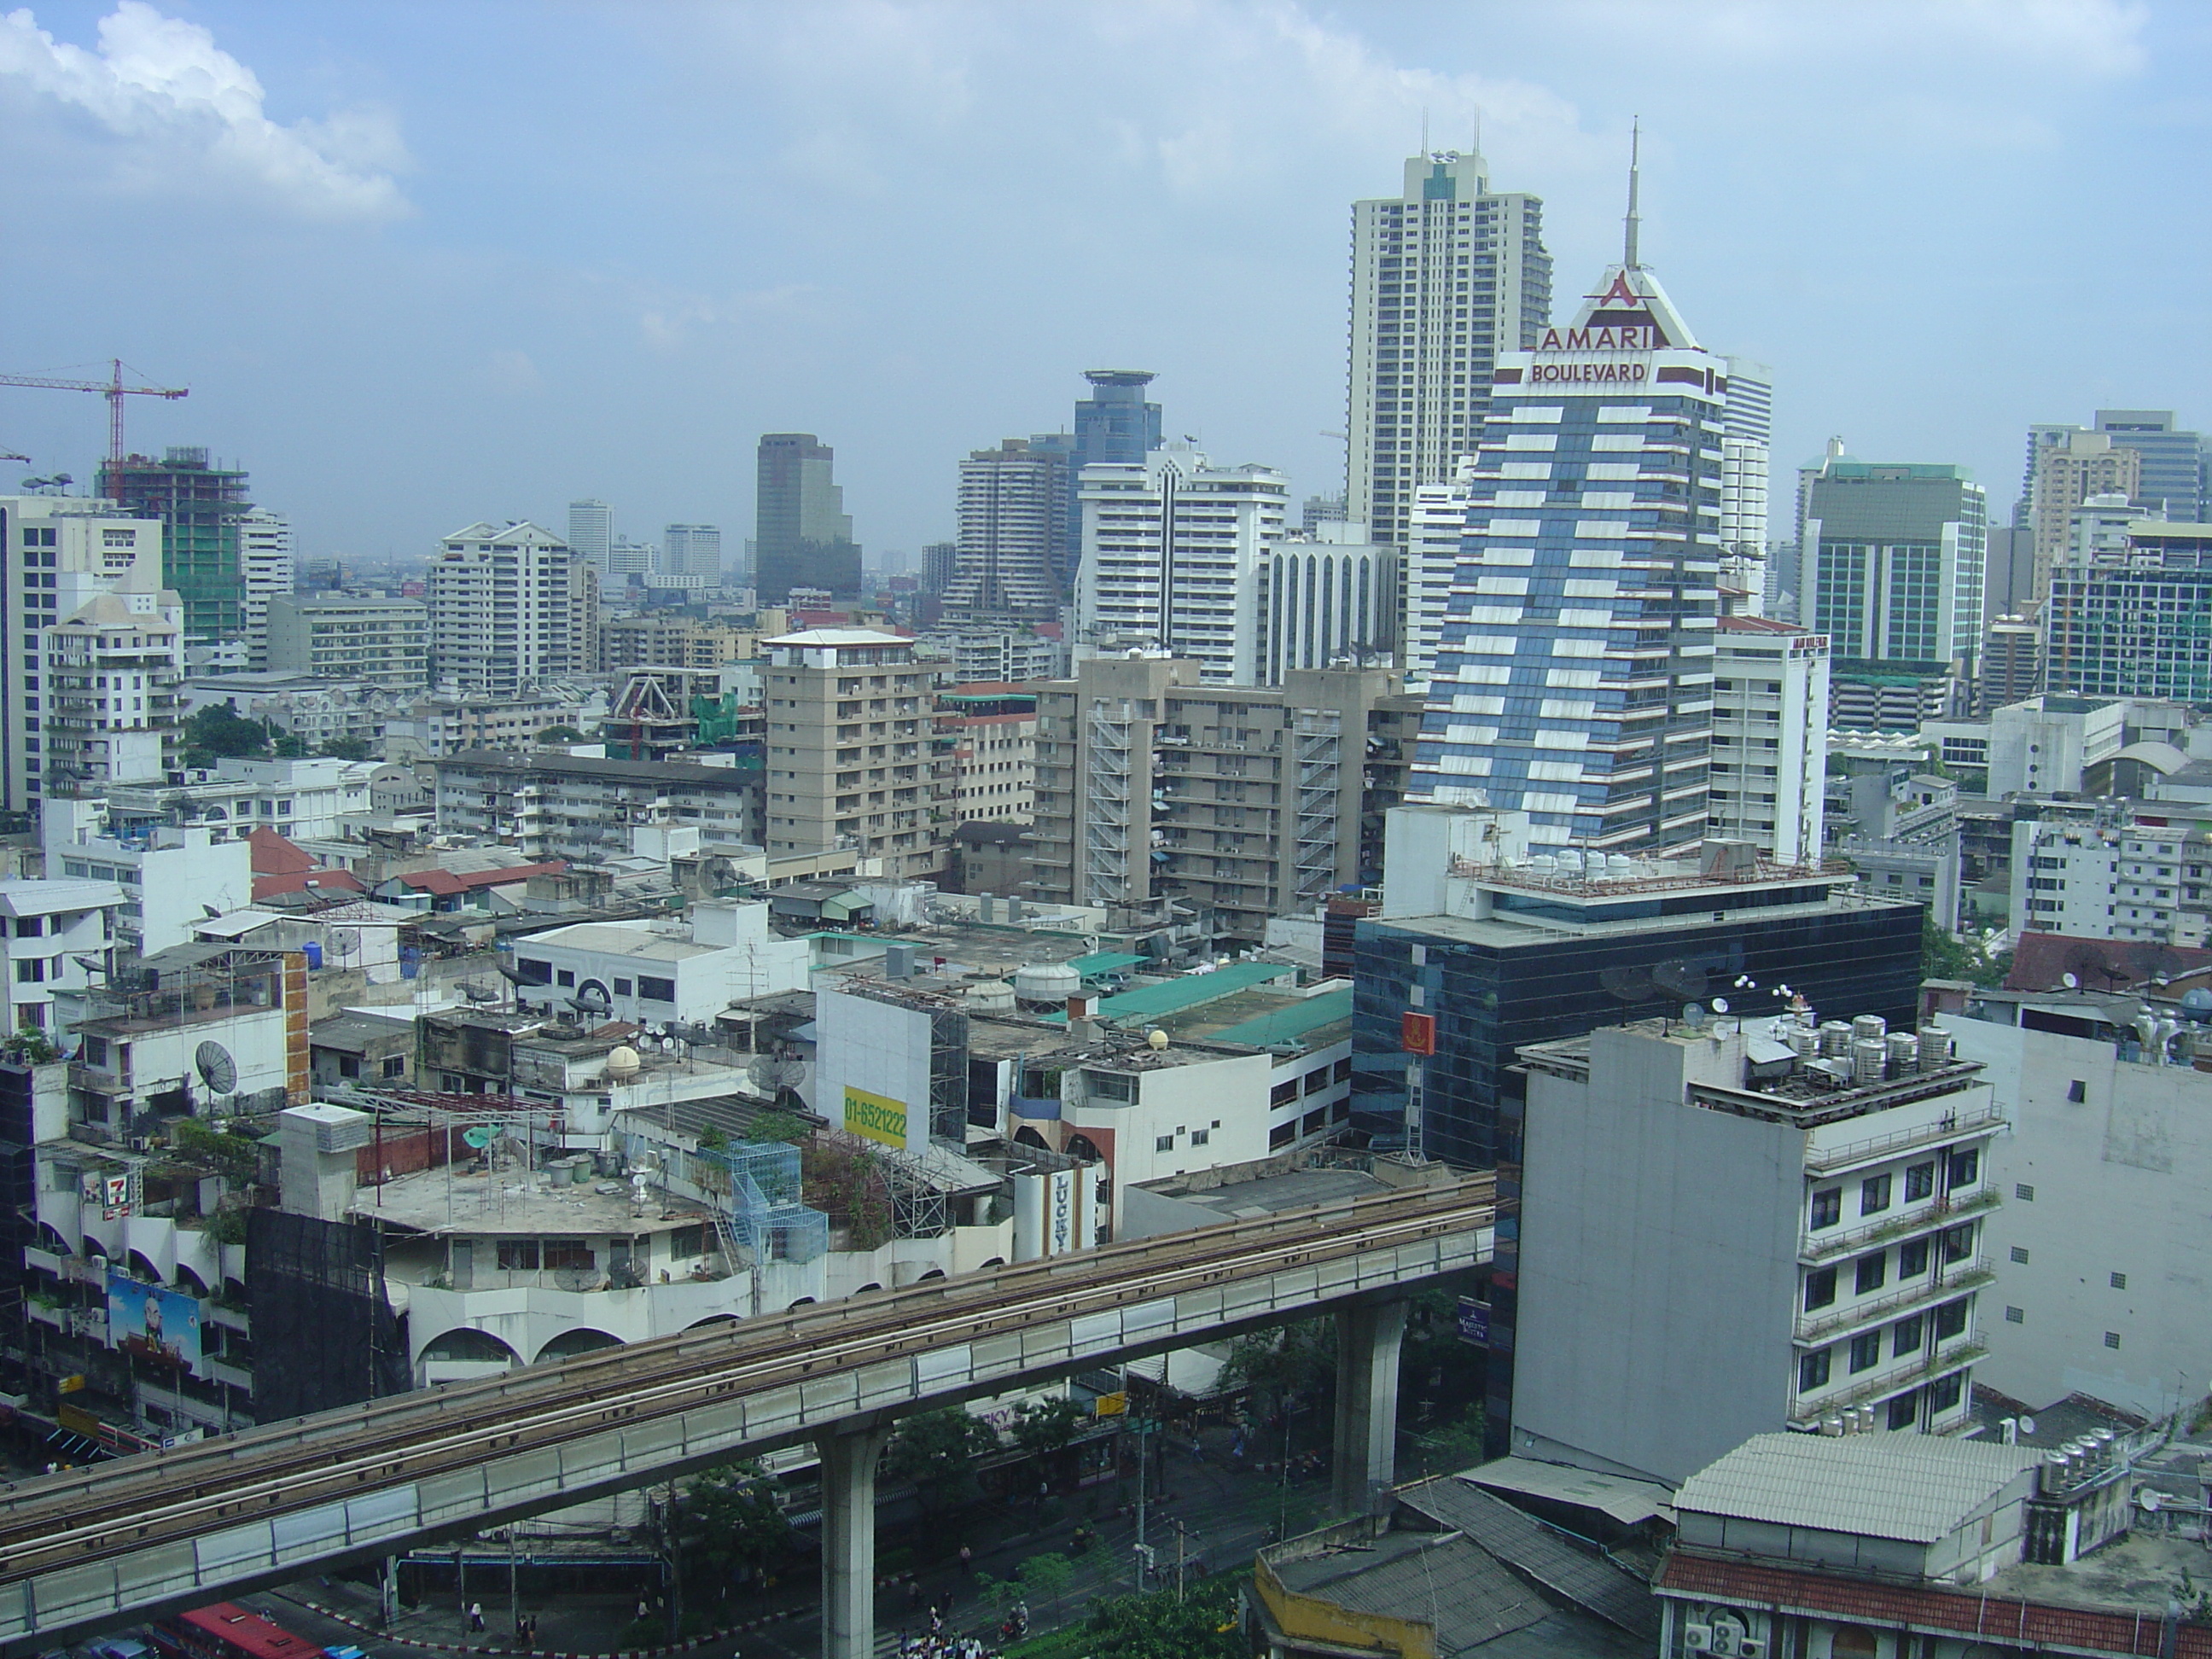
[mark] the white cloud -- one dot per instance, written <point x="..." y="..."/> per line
<point x="177" y="108"/>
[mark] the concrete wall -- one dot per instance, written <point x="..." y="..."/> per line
<point x="2122" y="1183"/>
<point x="1658" y="1268"/>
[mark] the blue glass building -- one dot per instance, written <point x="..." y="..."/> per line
<point x="1574" y="681"/>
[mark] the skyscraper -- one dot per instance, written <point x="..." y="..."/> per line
<point x="200" y="507"/>
<point x="2130" y="622"/>
<point x="804" y="538"/>
<point x="1574" y="681"/>
<point x="509" y="608"/>
<point x="1014" y="503"/>
<point x="1445" y="275"/>
<point x="591" y="532"/>
<point x="2065" y="467"/>
<point x="692" y="550"/>
<point x="1115" y="425"/>
<point x="1173" y="551"/>
<point x="1893" y="568"/>
<point x="2172" y="483"/>
<point x="265" y="553"/>
<point x="1746" y="441"/>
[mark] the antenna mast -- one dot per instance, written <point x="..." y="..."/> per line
<point x="1635" y="148"/>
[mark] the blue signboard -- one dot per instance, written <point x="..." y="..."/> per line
<point x="1474" y="1321"/>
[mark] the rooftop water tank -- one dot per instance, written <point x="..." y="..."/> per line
<point x="990" y="996"/>
<point x="1046" y="981"/>
<point x="622" y="1062"/>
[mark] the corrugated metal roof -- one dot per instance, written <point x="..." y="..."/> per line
<point x="1574" y="1571"/>
<point x="1441" y="1580"/>
<point x="1292" y="1021"/>
<point x="1105" y="961"/>
<point x="1188" y="991"/>
<point x="1914" y="1487"/>
<point x="1627" y="1501"/>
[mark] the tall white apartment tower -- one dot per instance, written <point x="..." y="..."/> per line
<point x="1431" y="562"/>
<point x="690" y="549"/>
<point x="591" y="532"/>
<point x="1769" y="737"/>
<point x="509" y="607"/>
<point x="1746" y="441"/>
<point x="57" y="553"/>
<point x="1575" y="682"/>
<point x="265" y="562"/>
<point x="1175" y="550"/>
<point x="1445" y="275"/>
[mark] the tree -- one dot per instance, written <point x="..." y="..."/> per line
<point x="1046" y="1578"/>
<point x="1297" y="1359"/>
<point x="1202" y="1625"/>
<point x="1042" y="1426"/>
<point x="345" y="749"/>
<point x="935" y="1452"/>
<point x="219" y="732"/>
<point x="728" y="1525"/>
<point x="778" y="1126"/>
<point x="560" y="734"/>
<point x="1944" y="955"/>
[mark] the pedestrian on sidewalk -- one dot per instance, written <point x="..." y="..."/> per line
<point x="475" y="1616"/>
<point x="967" y="1560"/>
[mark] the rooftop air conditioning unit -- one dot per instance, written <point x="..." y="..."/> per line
<point x="1697" y="1638"/>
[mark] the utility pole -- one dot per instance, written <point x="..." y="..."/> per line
<point x="1141" y="1427"/>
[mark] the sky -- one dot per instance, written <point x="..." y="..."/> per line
<point x="424" y="264"/>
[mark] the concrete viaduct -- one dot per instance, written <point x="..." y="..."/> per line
<point x="122" y="1542"/>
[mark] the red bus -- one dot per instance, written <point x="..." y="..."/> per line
<point x="228" y="1630"/>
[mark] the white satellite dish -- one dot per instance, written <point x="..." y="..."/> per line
<point x="2070" y="981"/>
<point x="2027" y="1425"/>
<point x="1720" y="1005"/>
<point x="2150" y="1497"/>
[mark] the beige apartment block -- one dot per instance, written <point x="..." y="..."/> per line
<point x="855" y="757"/>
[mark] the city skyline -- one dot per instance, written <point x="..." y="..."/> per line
<point x="506" y="377"/>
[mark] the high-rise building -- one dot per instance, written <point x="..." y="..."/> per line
<point x="1428" y="568"/>
<point x="1115" y="425"/>
<point x="1445" y="276"/>
<point x="591" y="532"/>
<point x="113" y="673"/>
<point x="510" y="606"/>
<point x="362" y="639"/>
<point x="852" y="756"/>
<point x="2130" y="622"/>
<point x="2011" y="664"/>
<point x="57" y="553"/>
<point x="200" y="507"/>
<point x="1769" y="737"/>
<point x="2172" y="479"/>
<point x="1331" y="601"/>
<point x="1013" y="525"/>
<point x="1574" y="681"/>
<point x="804" y="538"/>
<point x="2066" y="466"/>
<point x="1155" y="787"/>
<point x="692" y="550"/>
<point x="1174" y="549"/>
<point x="1746" y="443"/>
<point x="265" y="554"/>
<point x="939" y="562"/>
<point x="1892" y="566"/>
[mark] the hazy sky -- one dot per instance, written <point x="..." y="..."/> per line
<point x="424" y="264"/>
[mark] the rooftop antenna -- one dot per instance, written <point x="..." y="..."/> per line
<point x="1635" y="156"/>
<point x="1425" y="130"/>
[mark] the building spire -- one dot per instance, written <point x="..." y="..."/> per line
<point x="1635" y="146"/>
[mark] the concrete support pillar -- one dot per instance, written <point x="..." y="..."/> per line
<point x="1367" y="1342"/>
<point x="848" y="1540"/>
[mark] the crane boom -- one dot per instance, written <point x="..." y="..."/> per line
<point x="111" y="388"/>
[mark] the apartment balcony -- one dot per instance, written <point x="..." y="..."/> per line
<point x="1807" y="1412"/>
<point x="1945" y="1213"/>
<point x="1824" y="1325"/>
<point x="1820" y="1160"/>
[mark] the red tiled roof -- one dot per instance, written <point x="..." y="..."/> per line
<point x="273" y="855"/>
<point x="2040" y="962"/>
<point x="307" y="881"/>
<point x="444" y="882"/>
<point x="2028" y="1625"/>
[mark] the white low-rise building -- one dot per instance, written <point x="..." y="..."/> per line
<point x="172" y="878"/>
<point x="655" y="972"/>
<point x="54" y="936"/>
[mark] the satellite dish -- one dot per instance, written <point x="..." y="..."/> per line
<point x="1720" y="1005"/>
<point x="345" y="941"/>
<point x="480" y="1136"/>
<point x="2027" y="1425"/>
<point x="476" y="993"/>
<point x="1693" y="1016"/>
<point x="2071" y="982"/>
<point x="217" y="1068"/>
<point x="2150" y="1497"/>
